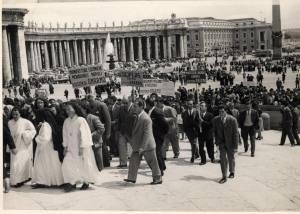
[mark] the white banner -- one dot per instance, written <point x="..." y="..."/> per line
<point x="159" y="86"/>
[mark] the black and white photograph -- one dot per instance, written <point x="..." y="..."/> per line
<point x="151" y="105"/>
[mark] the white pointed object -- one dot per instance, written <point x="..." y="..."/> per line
<point x="109" y="48"/>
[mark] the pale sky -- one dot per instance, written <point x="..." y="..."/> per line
<point x="136" y="10"/>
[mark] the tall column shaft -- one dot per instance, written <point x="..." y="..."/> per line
<point x="32" y="56"/>
<point x="140" y="49"/>
<point x="36" y="60"/>
<point x="61" y="57"/>
<point x="131" y="51"/>
<point x="156" y="47"/>
<point x="181" y="46"/>
<point x="6" y="69"/>
<point x="92" y="55"/>
<point x="99" y="51"/>
<point x="39" y="55"/>
<point x="47" y="62"/>
<point x="148" y="48"/>
<point x="165" y="47"/>
<point x="68" y="53"/>
<point x="185" y="45"/>
<point x="75" y="52"/>
<point x="53" y="54"/>
<point x="123" y="51"/>
<point x="169" y="47"/>
<point x="22" y="58"/>
<point x="116" y="49"/>
<point x="83" y="52"/>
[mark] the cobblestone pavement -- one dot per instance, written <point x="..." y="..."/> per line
<point x="268" y="182"/>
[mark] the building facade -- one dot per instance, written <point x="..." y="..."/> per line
<point x="50" y="47"/>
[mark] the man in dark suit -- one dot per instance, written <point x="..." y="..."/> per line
<point x="126" y="122"/>
<point x="143" y="144"/>
<point x="191" y="126"/>
<point x="172" y="135"/>
<point x="287" y="124"/>
<point x="226" y="135"/>
<point x="248" y="121"/>
<point x="114" y="110"/>
<point x="295" y="113"/>
<point x="160" y="129"/>
<point x="206" y="134"/>
<point x="100" y="109"/>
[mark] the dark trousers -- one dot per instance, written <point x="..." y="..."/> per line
<point x="208" y="141"/>
<point x="114" y="143"/>
<point x="226" y="158"/>
<point x="287" y="132"/>
<point x="194" y="146"/>
<point x="105" y="154"/>
<point x="160" y="158"/>
<point x="251" y="132"/>
<point x="296" y="136"/>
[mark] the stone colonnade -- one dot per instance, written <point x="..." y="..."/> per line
<point x="48" y="55"/>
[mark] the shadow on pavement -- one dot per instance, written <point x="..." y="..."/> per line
<point x="180" y="162"/>
<point x="120" y="185"/>
<point x="198" y="177"/>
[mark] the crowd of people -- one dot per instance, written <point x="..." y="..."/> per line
<point x="62" y="144"/>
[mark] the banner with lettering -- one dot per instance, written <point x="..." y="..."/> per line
<point x="84" y="76"/>
<point x="159" y="86"/>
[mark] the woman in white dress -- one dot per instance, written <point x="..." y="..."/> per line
<point x="47" y="167"/>
<point x="79" y="165"/>
<point x="23" y="132"/>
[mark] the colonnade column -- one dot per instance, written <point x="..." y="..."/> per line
<point x="181" y="46"/>
<point x="185" y="45"/>
<point x="83" y="52"/>
<point x="68" y="53"/>
<point x="47" y="63"/>
<point x="156" y="47"/>
<point x="53" y="54"/>
<point x="92" y="55"/>
<point x="32" y="56"/>
<point x="39" y="55"/>
<point x="99" y="51"/>
<point x="116" y="49"/>
<point x="61" y="58"/>
<point x="165" y="47"/>
<point x="123" y="51"/>
<point x="131" y="51"/>
<point x="148" y="47"/>
<point x="169" y="47"/>
<point x="140" y="51"/>
<point x="6" y="69"/>
<point x="75" y="52"/>
<point x="22" y="63"/>
<point x="36" y="61"/>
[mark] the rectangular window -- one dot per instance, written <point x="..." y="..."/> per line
<point x="252" y="34"/>
<point x="237" y="36"/>
<point x="262" y="47"/>
<point x="188" y="45"/>
<point x="196" y="37"/>
<point x="188" y="37"/>
<point x="245" y="35"/>
<point x="197" y="45"/>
